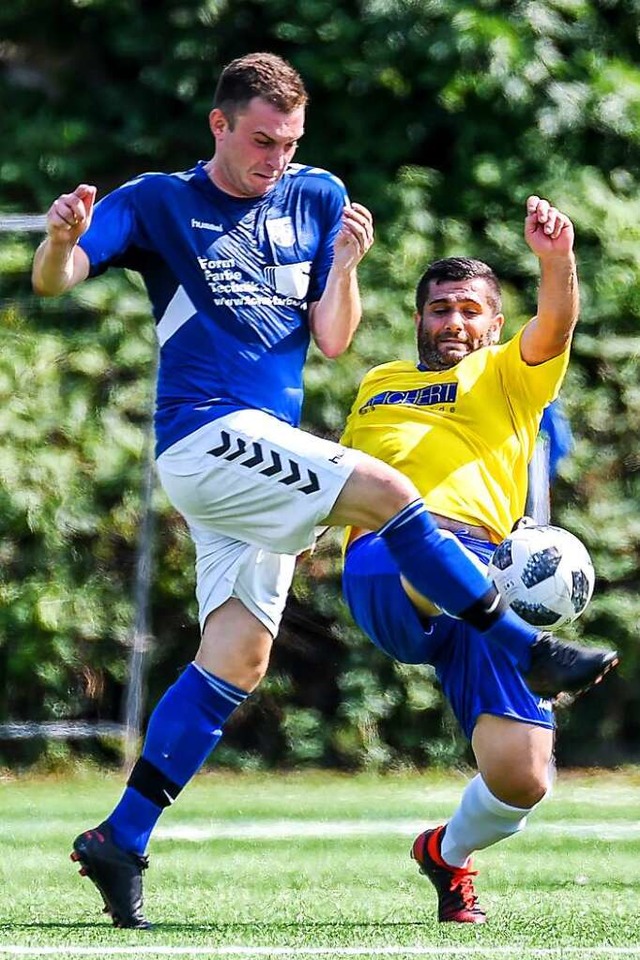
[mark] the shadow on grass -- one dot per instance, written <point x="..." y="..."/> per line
<point x="224" y="929"/>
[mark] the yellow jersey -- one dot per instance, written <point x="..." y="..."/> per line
<point x="465" y="435"/>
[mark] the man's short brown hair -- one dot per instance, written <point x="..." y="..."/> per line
<point x="458" y="268"/>
<point x="263" y="75"/>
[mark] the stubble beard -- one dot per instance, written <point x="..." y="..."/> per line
<point x="432" y="358"/>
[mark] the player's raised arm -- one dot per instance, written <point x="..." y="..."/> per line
<point x="335" y="317"/>
<point x="59" y="263"/>
<point x="550" y="236"/>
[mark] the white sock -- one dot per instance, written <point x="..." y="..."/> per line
<point x="480" y="820"/>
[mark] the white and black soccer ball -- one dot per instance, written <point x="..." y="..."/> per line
<point x="544" y="573"/>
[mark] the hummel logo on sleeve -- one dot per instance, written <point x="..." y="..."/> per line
<point x="203" y="225"/>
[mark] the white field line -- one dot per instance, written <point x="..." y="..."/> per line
<point x="338" y="829"/>
<point x="550" y="953"/>
<point x="283" y="830"/>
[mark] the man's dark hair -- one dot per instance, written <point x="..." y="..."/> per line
<point x="261" y="75"/>
<point x="458" y="268"/>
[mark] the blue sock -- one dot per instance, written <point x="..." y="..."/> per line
<point x="438" y="567"/>
<point x="184" y="728"/>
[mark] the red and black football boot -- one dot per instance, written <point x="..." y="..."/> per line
<point x="457" y="901"/>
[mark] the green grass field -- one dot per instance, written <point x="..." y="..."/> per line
<point x="317" y="865"/>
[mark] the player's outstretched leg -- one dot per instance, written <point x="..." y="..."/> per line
<point x="437" y="566"/>
<point x="457" y="900"/>
<point x="559" y="666"/>
<point x="116" y="873"/>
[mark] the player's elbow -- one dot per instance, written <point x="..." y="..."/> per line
<point x="332" y="351"/>
<point x="332" y="327"/>
<point x="332" y="347"/>
<point x="44" y="282"/>
<point x="40" y="288"/>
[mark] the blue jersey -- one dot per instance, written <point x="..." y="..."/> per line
<point x="230" y="281"/>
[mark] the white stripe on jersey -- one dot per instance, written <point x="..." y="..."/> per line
<point x="302" y="169"/>
<point x="179" y="310"/>
<point x="185" y="175"/>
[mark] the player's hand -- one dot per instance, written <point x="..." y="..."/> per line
<point x="547" y="230"/>
<point x="70" y="214"/>
<point x="355" y="237"/>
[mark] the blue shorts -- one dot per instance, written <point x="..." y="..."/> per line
<point x="476" y="675"/>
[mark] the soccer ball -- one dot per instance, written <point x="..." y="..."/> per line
<point x="544" y="573"/>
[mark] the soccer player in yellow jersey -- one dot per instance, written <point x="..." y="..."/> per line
<point x="461" y="424"/>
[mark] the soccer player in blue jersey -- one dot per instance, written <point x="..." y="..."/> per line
<point x="245" y="258"/>
<point x="462" y="425"/>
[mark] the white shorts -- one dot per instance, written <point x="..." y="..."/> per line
<point x="230" y="568"/>
<point x="247" y="481"/>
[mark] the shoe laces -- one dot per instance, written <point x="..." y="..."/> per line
<point x="462" y="883"/>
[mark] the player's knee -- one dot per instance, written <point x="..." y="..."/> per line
<point x="534" y="789"/>
<point x="523" y="788"/>
<point x="373" y="494"/>
<point x="255" y="667"/>
<point x="380" y="493"/>
<point x="250" y="660"/>
<point x="235" y="648"/>
<point x="243" y="670"/>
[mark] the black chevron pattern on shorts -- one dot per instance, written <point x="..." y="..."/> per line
<point x="276" y="465"/>
<point x="289" y="473"/>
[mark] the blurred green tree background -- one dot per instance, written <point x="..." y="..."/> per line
<point x="441" y="116"/>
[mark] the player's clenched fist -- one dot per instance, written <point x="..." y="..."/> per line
<point x="69" y="215"/>
<point x="547" y="230"/>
